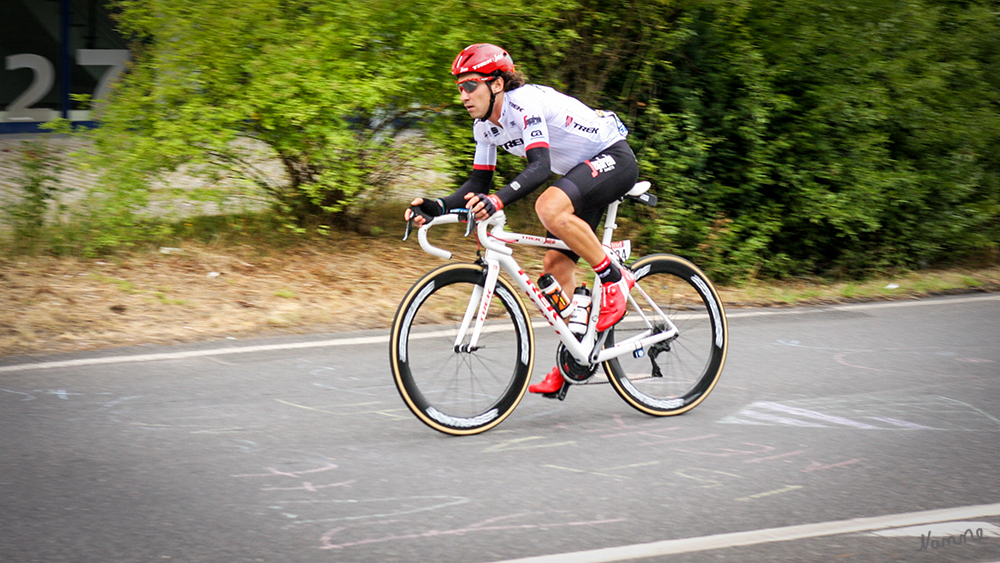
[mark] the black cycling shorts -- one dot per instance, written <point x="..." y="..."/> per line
<point x="593" y="184"/>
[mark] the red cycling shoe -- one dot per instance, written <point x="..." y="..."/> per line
<point x="614" y="300"/>
<point x="552" y="383"/>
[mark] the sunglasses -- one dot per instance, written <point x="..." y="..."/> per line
<point x="470" y="84"/>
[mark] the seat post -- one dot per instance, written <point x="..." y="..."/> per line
<point x="609" y="222"/>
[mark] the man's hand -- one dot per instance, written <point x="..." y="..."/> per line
<point x="484" y="206"/>
<point x="426" y="210"/>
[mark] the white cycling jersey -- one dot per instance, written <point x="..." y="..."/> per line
<point x="538" y="116"/>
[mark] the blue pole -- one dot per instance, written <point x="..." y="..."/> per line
<point x="66" y="60"/>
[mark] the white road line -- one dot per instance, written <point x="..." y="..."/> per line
<point x="754" y="537"/>
<point x="108" y="360"/>
<point x="861" y="306"/>
<point x="193" y="354"/>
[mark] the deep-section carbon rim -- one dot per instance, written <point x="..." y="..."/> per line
<point x="675" y="376"/>
<point x="459" y="391"/>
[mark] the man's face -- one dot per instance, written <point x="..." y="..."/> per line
<point x="477" y="101"/>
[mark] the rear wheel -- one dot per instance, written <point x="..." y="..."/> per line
<point x="674" y="376"/>
<point x="450" y="388"/>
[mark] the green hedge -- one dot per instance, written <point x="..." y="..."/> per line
<point x="783" y="137"/>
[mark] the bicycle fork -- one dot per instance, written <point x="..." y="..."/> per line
<point x="477" y="309"/>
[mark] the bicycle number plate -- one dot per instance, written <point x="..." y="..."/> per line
<point x="622" y="249"/>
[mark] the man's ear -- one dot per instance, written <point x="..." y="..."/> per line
<point x="497" y="85"/>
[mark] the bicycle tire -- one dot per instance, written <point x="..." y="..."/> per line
<point x="675" y="376"/>
<point x="457" y="392"/>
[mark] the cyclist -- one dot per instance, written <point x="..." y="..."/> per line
<point x="556" y="134"/>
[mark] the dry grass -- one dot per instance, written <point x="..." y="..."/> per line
<point x="199" y="292"/>
<point x="350" y="283"/>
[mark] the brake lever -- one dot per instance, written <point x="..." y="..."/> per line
<point x="470" y="222"/>
<point x="409" y="223"/>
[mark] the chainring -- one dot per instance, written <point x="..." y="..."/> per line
<point x="570" y="368"/>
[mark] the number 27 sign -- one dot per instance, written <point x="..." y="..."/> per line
<point x="21" y="108"/>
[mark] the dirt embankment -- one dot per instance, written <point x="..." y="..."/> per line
<point x="201" y="292"/>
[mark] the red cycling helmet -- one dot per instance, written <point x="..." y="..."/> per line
<point x="483" y="58"/>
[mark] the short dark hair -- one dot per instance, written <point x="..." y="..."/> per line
<point x="512" y="79"/>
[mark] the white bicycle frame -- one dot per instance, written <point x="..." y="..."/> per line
<point x="586" y="351"/>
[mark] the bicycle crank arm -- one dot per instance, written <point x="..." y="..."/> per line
<point x="560" y="394"/>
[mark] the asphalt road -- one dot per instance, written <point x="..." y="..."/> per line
<point x="853" y="433"/>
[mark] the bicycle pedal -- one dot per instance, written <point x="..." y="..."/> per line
<point x="560" y="394"/>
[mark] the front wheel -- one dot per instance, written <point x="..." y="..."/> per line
<point x="674" y="376"/>
<point x="447" y="386"/>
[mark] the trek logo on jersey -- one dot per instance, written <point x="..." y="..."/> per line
<point x="511" y="144"/>
<point x="601" y="164"/>
<point x="533" y="120"/>
<point x="574" y="125"/>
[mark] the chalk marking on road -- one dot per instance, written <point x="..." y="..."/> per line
<point x="710" y="483"/>
<point x="220" y="430"/>
<point x="359" y="341"/>
<point x="384" y="412"/>
<point x="768" y="535"/>
<point x="921" y="413"/>
<point x="584" y="472"/>
<point x="490" y="525"/>
<point x="633" y="465"/>
<point x="787" y="489"/>
<point x="773" y="457"/>
<point x="817" y="466"/>
<point x="509" y="445"/>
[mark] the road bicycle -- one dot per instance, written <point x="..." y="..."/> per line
<point x="462" y="343"/>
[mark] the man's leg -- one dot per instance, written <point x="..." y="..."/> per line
<point x="555" y="211"/>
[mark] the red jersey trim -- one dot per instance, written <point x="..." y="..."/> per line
<point x="484" y="167"/>
<point x="541" y="144"/>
